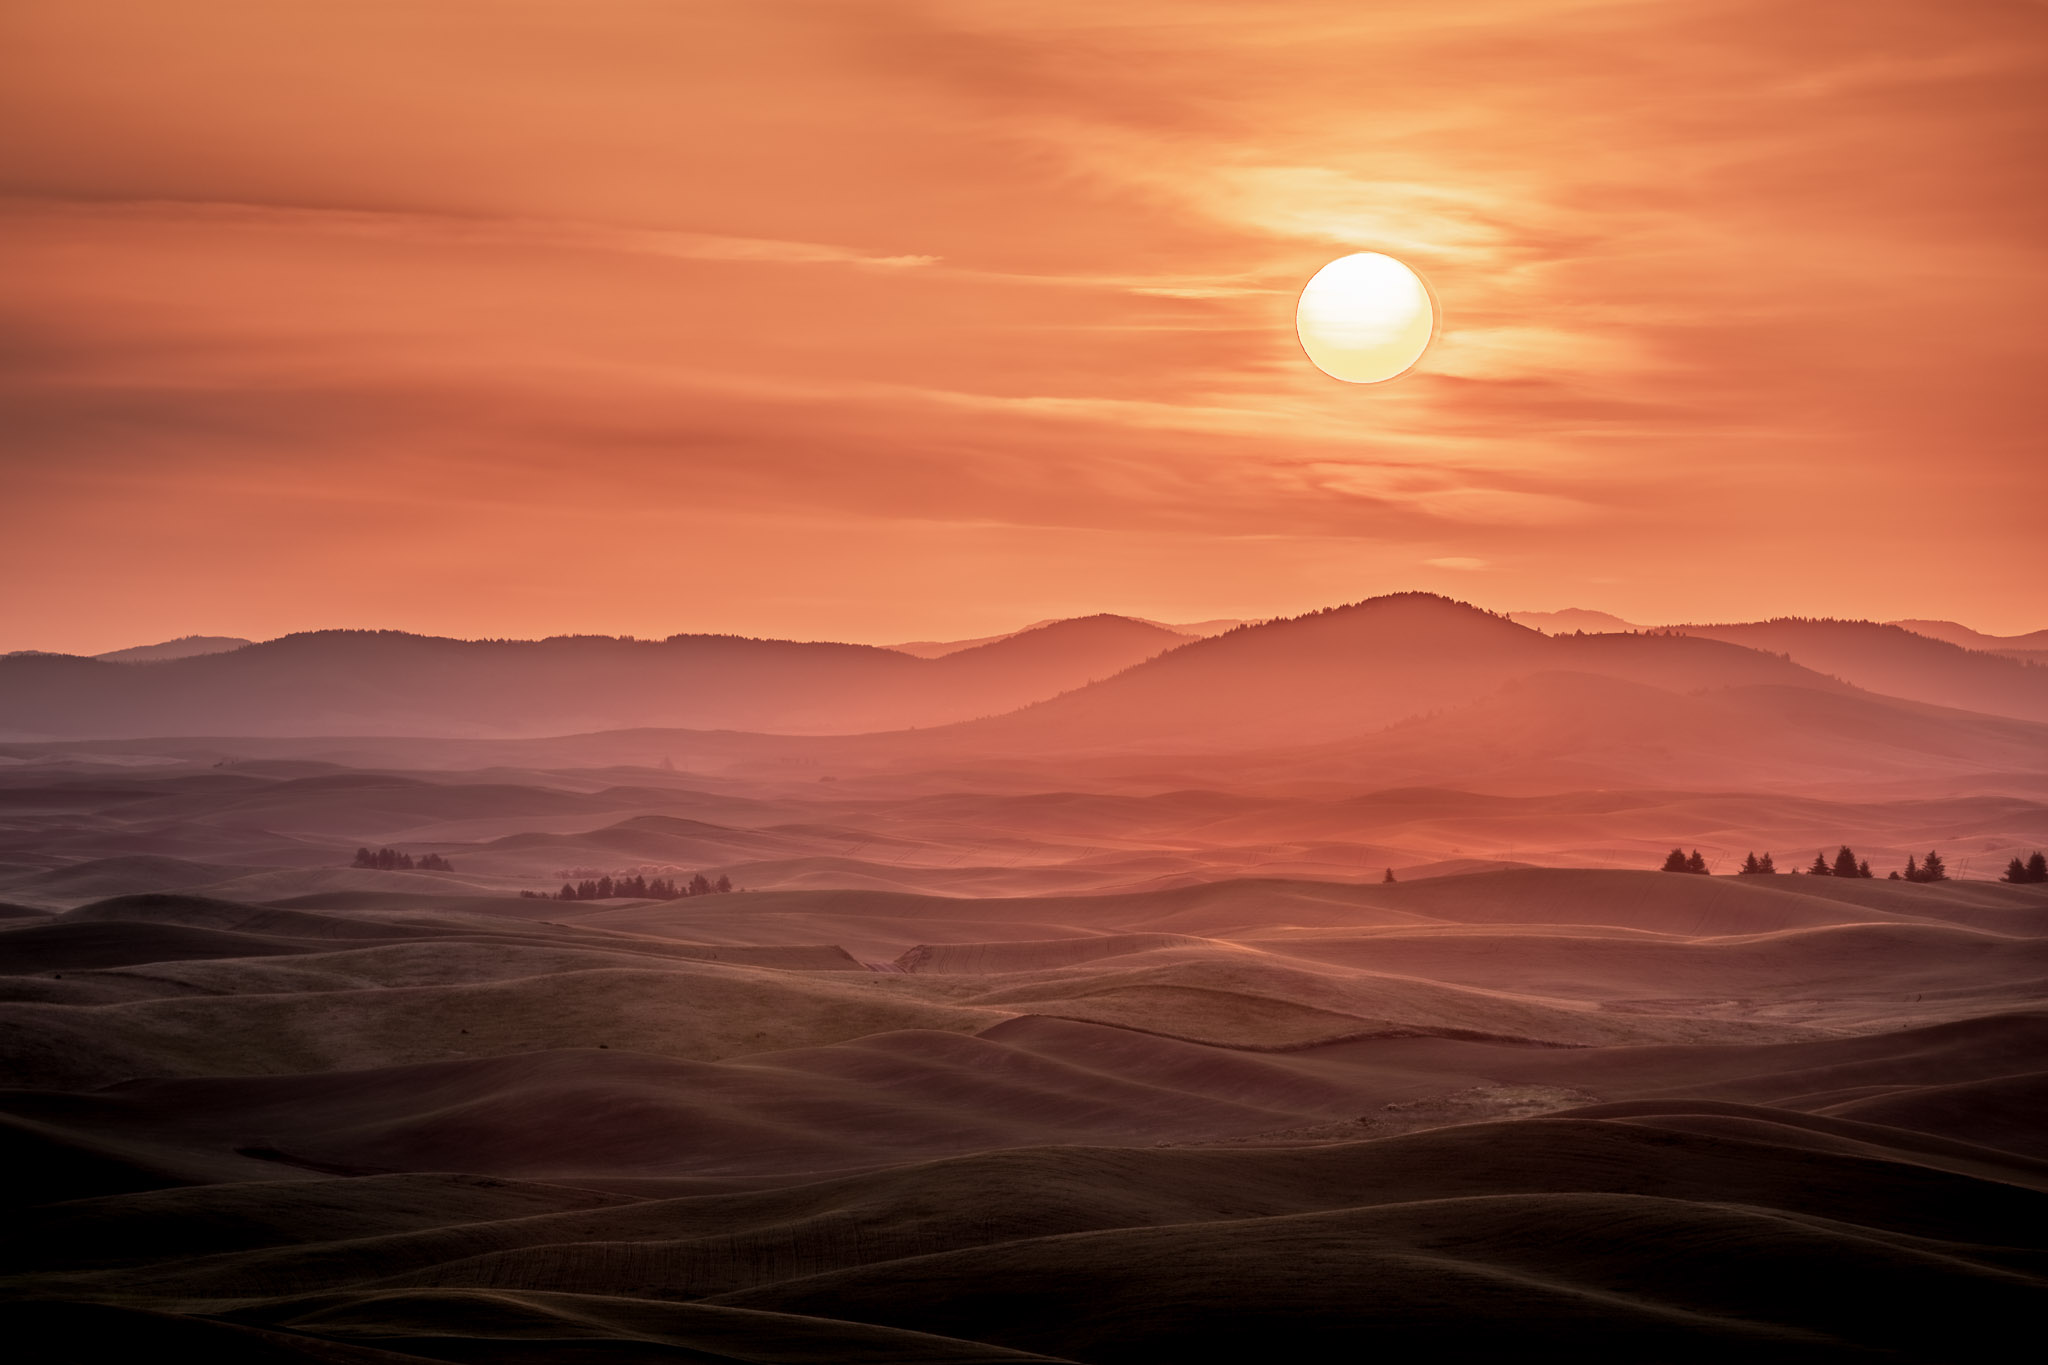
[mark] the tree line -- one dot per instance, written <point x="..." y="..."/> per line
<point x="391" y="860"/>
<point x="634" y="888"/>
<point x="2033" y="870"/>
<point x="1846" y="864"/>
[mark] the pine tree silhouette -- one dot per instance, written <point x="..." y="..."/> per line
<point x="1845" y="863"/>
<point x="1696" y="863"/>
<point x="1820" y="866"/>
<point x="2037" y="867"/>
<point x="1674" y="861"/>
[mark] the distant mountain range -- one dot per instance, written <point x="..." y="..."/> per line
<point x="1569" y="620"/>
<point x="186" y="647"/>
<point x="1348" y="671"/>
<point x="932" y="649"/>
<point x="2032" y="646"/>
<point x="1092" y="684"/>
<point x="391" y="683"/>
<point x="1899" y="663"/>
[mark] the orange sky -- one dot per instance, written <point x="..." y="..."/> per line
<point x="883" y="321"/>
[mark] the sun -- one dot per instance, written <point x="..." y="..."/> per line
<point x="1365" y="318"/>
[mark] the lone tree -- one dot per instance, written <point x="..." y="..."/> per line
<point x="1820" y="866"/>
<point x="1390" y="872"/>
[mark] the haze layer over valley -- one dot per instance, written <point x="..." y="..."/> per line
<point x="1106" y="992"/>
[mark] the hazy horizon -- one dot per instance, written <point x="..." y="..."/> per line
<point x="993" y="629"/>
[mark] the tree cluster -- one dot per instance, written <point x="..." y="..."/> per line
<point x="391" y="860"/>
<point x="2034" y="869"/>
<point x="1845" y="865"/>
<point x="1753" y="866"/>
<point x="1678" y="862"/>
<point x="635" y="888"/>
<point x="1932" y="870"/>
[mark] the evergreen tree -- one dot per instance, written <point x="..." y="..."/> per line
<point x="2016" y="872"/>
<point x="1389" y="877"/>
<point x="1750" y="867"/>
<point x="1933" y="869"/>
<point x="2037" y="867"/>
<point x="604" y="890"/>
<point x="1912" y="869"/>
<point x="1894" y="877"/>
<point x="722" y="885"/>
<point x="1696" y="863"/>
<point x="568" y="893"/>
<point x="1820" y="866"/>
<point x="1766" y="866"/>
<point x="1674" y="861"/>
<point x="700" y="885"/>
<point x="1863" y="869"/>
<point x="1845" y="863"/>
<point x="364" y="858"/>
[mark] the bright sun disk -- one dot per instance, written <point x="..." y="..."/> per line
<point x="1365" y="318"/>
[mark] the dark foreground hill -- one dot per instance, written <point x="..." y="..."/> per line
<point x="1546" y="1114"/>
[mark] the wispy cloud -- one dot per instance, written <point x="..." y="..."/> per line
<point x="556" y="234"/>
